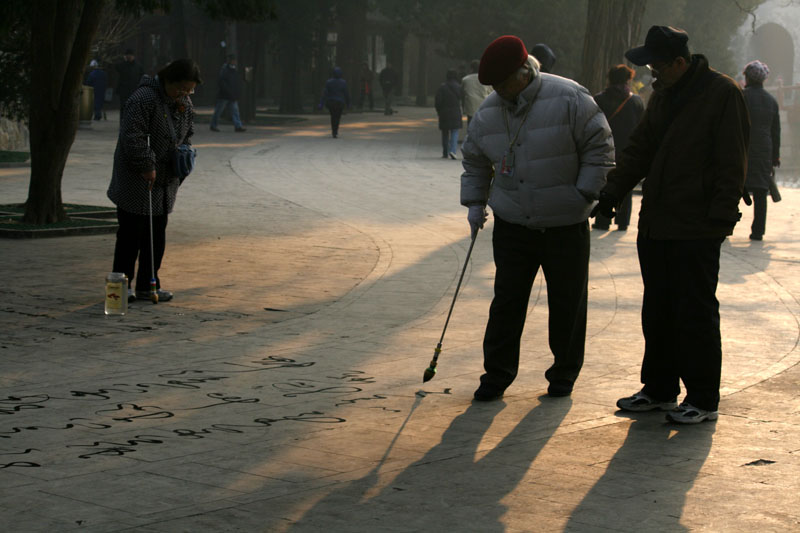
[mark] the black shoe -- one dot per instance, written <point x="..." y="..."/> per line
<point x="240" y="129"/>
<point x="487" y="393"/>
<point x="756" y="237"/>
<point x="214" y="128"/>
<point x="598" y="226"/>
<point x="622" y="228"/>
<point x="559" y="388"/>
<point x="445" y="156"/>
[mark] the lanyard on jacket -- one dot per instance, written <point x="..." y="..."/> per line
<point x="508" y="131"/>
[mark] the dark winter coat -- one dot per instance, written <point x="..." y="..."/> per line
<point x="691" y="145"/>
<point x="130" y="73"/>
<point x="145" y="115"/>
<point x="626" y="119"/>
<point x="765" y="136"/>
<point x="98" y="79"/>
<point x="448" y="105"/>
<point x="230" y="84"/>
<point x="336" y="89"/>
<point x="389" y="80"/>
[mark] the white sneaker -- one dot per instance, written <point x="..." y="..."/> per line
<point x="686" y="413"/>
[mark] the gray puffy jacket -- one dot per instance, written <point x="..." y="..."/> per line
<point x="562" y="155"/>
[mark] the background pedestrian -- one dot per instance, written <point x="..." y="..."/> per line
<point x="366" y="89"/>
<point x="623" y="110"/>
<point x="473" y="92"/>
<point x="448" y="107"/>
<point x="764" y="151"/>
<point x="390" y="84"/>
<point x="98" y="79"/>
<point x="336" y="97"/>
<point x="545" y="56"/>
<point x="229" y="89"/>
<point x="129" y="72"/>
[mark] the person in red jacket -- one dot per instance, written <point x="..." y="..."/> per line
<point x="691" y="145"/>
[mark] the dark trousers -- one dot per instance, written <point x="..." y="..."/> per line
<point x="563" y="255"/>
<point x="335" y="108"/>
<point x="133" y="240"/>
<point x="759" y="212"/>
<point x="622" y="218"/>
<point x="388" y="99"/>
<point x="680" y="319"/>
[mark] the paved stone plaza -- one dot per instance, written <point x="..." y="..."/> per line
<point x="281" y="390"/>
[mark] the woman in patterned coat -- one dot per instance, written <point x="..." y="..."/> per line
<point x="142" y="162"/>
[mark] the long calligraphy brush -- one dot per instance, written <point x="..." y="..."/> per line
<point x="431" y="370"/>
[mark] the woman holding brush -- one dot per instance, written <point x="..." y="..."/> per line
<point x="158" y="117"/>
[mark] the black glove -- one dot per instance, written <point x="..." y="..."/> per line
<point x="746" y="198"/>
<point x="606" y="206"/>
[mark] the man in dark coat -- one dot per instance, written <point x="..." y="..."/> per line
<point x="129" y="73"/>
<point x="448" y="107"/>
<point x="229" y="90"/>
<point x="692" y="146"/>
<point x="623" y="109"/>
<point x="765" y="143"/>
<point x="390" y="84"/>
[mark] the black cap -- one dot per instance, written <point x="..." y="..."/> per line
<point x="662" y="43"/>
<point x="545" y="55"/>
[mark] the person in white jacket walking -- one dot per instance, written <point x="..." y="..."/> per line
<point x="473" y="92"/>
<point x="537" y="151"/>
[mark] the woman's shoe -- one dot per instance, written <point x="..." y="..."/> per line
<point x="163" y="296"/>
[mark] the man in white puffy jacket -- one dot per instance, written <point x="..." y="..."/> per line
<point x="537" y="150"/>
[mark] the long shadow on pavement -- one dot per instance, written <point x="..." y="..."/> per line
<point x="646" y="482"/>
<point x="448" y="489"/>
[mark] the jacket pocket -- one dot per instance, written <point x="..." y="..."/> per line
<point x="509" y="183"/>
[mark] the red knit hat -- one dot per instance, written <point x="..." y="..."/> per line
<point x="501" y="59"/>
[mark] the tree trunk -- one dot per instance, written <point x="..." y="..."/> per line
<point x="178" y="30"/>
<point x="613" y="26"/>
<point x="61" y="37"/>
<point x="291" y="95"/>
<point x="422" y="72"/>
<point x="352" y="44"/>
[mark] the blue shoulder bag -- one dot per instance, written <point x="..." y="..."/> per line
<point x="183" y="155"/>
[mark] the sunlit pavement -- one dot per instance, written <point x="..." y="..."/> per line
<point x="281" y="390"/>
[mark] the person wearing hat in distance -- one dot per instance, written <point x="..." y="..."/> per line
<point x="537" y="150"/>
<point x="129" y="72"/>
<point x="764" y="152"/>
<point x="691" y="145"/>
